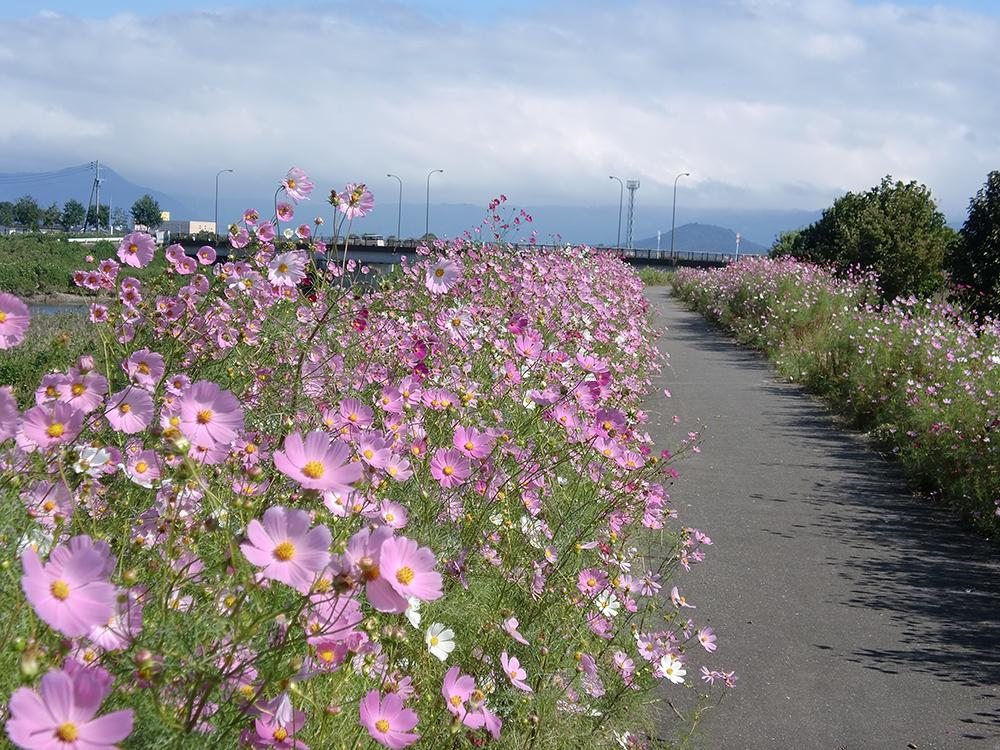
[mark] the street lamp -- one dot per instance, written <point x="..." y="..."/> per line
<point x="673" y="217"/>
<point x="399" y="208"/>
<point x="427" y="217"/>
<point x="621" y="195"/>
<point x="217" y="201"/>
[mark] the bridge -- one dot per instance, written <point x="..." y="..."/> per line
<point x="384" y="253"/>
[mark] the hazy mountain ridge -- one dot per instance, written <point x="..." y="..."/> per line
<point x="697" y="237"/>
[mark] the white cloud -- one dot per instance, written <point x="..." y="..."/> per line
<point x="768" y="102"/>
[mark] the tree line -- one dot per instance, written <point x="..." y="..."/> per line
<point x="26" y="213"/>
<point x="896" y="230"/>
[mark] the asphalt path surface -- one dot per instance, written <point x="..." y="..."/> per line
<point x="856" y="614"/>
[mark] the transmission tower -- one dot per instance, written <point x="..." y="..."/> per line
<point x="632" y="186"/>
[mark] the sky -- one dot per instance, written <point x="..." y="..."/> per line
<point x="769" y="104"/>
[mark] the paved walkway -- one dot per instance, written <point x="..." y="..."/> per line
<point x="857" y="616"/>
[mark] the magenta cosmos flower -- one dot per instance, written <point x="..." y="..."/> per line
<point x="14" y="319"/>
<point x="297" y="185"/>
<point x="71" y="592"/>
<point x="457" y="690"/>
<point x="409" y="569"/>
<point x="442" y="276"/>
<point x="515" y="673"/>
<point x="130" y="410"/>
<point x="450" y="467"/>
<point x="286" y="548"/>
<point x="316" y="464"/>
<point x="52" y="425"/>
<point x="61" y="714"/>
<point x="356" y="201"/>
<point x="472" y="442"/>
<point x="387" y="721"/>
<point x="209" y="415"/>
<point x="136" y="249"/>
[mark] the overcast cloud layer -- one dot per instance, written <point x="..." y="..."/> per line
<point x="770" y="103"/>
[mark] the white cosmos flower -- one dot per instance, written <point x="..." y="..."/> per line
<point x="607" y="603"/>
<point x="91" y="461"/>
<point x="440" y="640"/>
<point x="413" y="611"/>
<point x="672" y="669"/>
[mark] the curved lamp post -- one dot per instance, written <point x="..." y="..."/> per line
<point x="221" y="171"/>
<point x="399" y="209"/>
<point x="427" y="216"/>
<point x="621" y="196"/>
<point x="673" y="214"/>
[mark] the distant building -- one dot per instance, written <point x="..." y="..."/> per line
<point x="187" y="227"/>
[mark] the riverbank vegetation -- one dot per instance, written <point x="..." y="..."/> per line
<point x="423" y="511"/>
<point x="919" y="376"/>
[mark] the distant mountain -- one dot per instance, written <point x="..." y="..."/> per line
<point x="76" y="182"/>
<point x="703" y="238"/>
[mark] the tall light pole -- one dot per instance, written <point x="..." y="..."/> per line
<point x="673" y="216"/>
<point x="621" y="195"/>
<point x="427" y="216"/>
<point x="217" y="201"/>
<point x="399" y="208"/>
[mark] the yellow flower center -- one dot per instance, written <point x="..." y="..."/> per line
<point x="456" y="700"/>
<point x="389" y="517"/>
<point x="125" y="408"/>
<point x="447" y="471"/>
<point x="369" y="453"/>
<point x="67" y="732"/>
<point x="477" y="696"/>
<point x="439" y="272"/>
<point x="280" y="734"/>
<point x="382" y="725"/>
<point x="204" y="416"/>
<point x="513" y="674"/>
<point x="455" y="322"/>
<point x="313" y="469"/>
<point x="282" y="268"/>
<point x="50" y="391"/>
<point x="48" y="506"/>
<point x="77" y="389"/>
<point x="435" y="640"/>
<point x="60" y="590"/>
<point x="468" y="445"/>
<point x="291" y="184"/>
<point x="284" y="552"/>
<point x="143" y="368"/>
<point x="591" y="581"/>
<point x="3" y="317"/>
<point x="56" y="429"/>
<point x="141" y="467"/>
<point x="133" y="249"/>
<point x="251" y="448"/>
<point x="404" y="575"/>
<point x="326" y="655"/>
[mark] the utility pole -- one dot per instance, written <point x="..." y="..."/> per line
<point x="399" y="209"/>
<point x="673" y="214"/>
<point x="621" y="193"/>
<point x="632" y="186"/>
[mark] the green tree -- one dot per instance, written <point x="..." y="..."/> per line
<point x="98" y="219"/>
<point x="73" y="214"/>
<point x="784" y="244"/>
<point x="51" y="216"/>
<point x="894" y="229"/>
<point x="974" y="261"/>
<point x="6" y="214"/>
<point x="119" y="218"/>
<point x="27" y="212"/>
<point x="146" y="211"/>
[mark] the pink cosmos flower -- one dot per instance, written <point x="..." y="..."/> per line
<point x="472" y="442"/>
<point x="356" y="201"/>
<point x="49" y="426"/>
<point x="130" y="410"/>
<point x="251" y="216"/>
<point x="297" y="185"/>
<point x="409" y="569"/>
<point x="287" y="269"/>
<point x="210" y="416"/>
<point x="265" y="231"/>
<point x="71" y="592"/>
<point x="285" y="212"/>
<point x="442" y="276"/>
<point x="510" y="625"/>
<point x="706" y="637"/>
<point x="457" y="690"/>
<point x="516" y="675"/>
<point x="239" y="239"/>
<point x="206" y="255"/>
<point x="374" y="451"/>
<point x="449" y="467"/>
<point x="591" y="581"/>
<point x="286" y="548"/>
<point x="271" y="730"/>
<point x="136" y="249"/>
<point x="678" y="599"/>
<point x="303" y="231"/>
<point x="143" y="468"/>
<point x="363" y="555"/>
<point x="316" y="464"/>
<point x="393" y="514"/>
<point x="83" y="391"/>
<point x="386" y="720"/>
<point x="9" y="414"/>
<point x="144" y="368"/>
<point x="61" y="714"/>
<point x="14" y="319"/>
